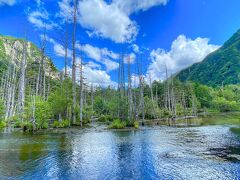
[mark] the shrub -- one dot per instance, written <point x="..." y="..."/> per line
<point x="2" y="124"/>
<point x="109" y="118"/>
<point x="86" y="121"/>
<point x="65" y="123"/>
<point x="18" y="124"/>
<point x="105" y="118"/>
<point x="136" y="124"/>
<point x="102" y="118"/>
<point x="62" y="124"/>
<point x="56" y="124"/>
<point x="117" y="124"/>
<point x="27" y="126"/>
<point x="132" y="123"/>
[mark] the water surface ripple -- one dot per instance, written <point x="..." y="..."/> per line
<point x="207" y="152"/>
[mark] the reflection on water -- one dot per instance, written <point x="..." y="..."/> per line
<point x="207" y="152"/>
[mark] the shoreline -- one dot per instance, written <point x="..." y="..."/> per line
<point x="189" y="121"/>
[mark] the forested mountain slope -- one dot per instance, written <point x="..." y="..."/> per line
<point x="219" y="67"/>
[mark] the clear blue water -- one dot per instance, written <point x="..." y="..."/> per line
<point x="207" y="152"/>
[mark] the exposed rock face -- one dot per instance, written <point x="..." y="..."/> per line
<point x="11" y="49"/>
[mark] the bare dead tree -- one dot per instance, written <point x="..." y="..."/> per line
<point x="42" y="75"/>
<point x="130" y="99"/>
<point x="66" y="49"/>
<point x="22" y="81"/>
<point x="92" y="98"/>
<point x="141" y="86"/>
<point x="74" y="61"/>
<point x="81" y="92"/>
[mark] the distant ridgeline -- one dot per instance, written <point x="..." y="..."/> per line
<point x="11" y="52"/>
<point x="219" y="67"/>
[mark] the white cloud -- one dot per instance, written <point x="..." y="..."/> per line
<point x="103" y="56"/>
<point x="131" y="6"/>
<point x="40" y="18"/>
<point x="39" y="3"/>
<point x="109" y="20"/>
<point x="94" y="76"/>
<point x="98" y="77"/>
<point x="130" y="58"/>
<point x="93" y="65"/>
<point x="184" y="52"/>
<point x="59" y="50"/>
<point x="66" y="10"/>
<point x="135" y="48"/>
<point x="7" y="2"/>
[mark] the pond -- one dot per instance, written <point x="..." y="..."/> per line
<point x="203" y="152"/>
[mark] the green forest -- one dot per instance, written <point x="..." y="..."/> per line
<point x="53" y="100"/>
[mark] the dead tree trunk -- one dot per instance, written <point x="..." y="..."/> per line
<point x="74" y="62"/>
<point x="66" y="50"/>
<point x="92" y="98"/>
<point x="81" y="92"/>
<point x="21" y="90"/>
<point x="141" y="86"/>
<point x="130" y="99"/>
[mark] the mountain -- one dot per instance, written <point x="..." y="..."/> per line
<point x="11" y="52"/>
<point x="221" y="66"/>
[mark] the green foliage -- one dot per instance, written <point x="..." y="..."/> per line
<point x="58" y="101"/>
<point x="86" y="121"/>
<point x="105" y="118"/>
<point x="17" y="124"/>
<point x="61" y="124"/>
<point x="2" y="111"/>
<point x="136" y="124"/>
<point x="117" y="124"/>
<point x="132" y="123"/>
<point x="100" y="105"/>
<point x="2" y="50"/>
<point x="223" y="105"/>
<point x="43" y="112"/>
<point x="204" y="95"/>
<point x="2" y="124"/>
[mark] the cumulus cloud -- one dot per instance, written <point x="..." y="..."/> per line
<point x="94" y="76"/>
<point x="109" y="20"/>
<point x="101" y="55"/>
<point x="98" y="77"/>
<point x="184" y="52"/>
<point x="7" y="2"/>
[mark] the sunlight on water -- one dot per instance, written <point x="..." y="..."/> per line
<point x="208" y="152"/>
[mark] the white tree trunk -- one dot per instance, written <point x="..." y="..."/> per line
<point x="22" y="81"/>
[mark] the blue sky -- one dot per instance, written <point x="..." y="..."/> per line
<point x="175" y="33"/>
